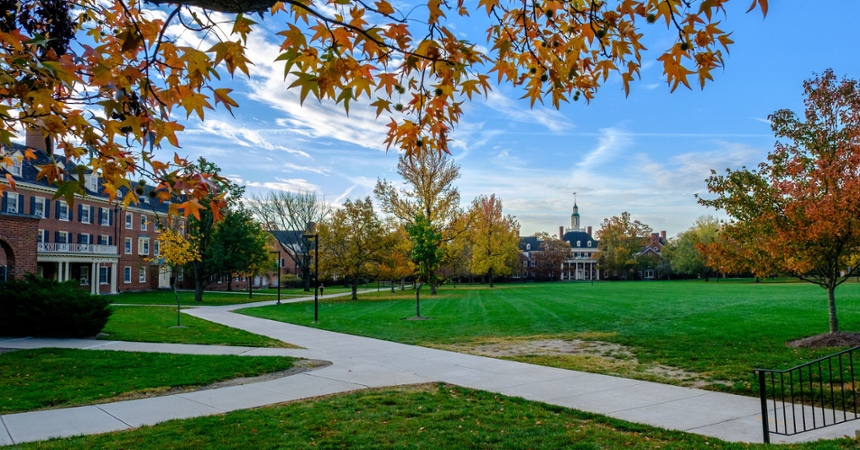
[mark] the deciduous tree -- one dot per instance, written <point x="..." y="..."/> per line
<point x="426" y="254"/>
<point x="104" y="78"/>
<point x="238" y="245"/>
<point x="494" y="237"/>
<point x="801" y="207"/>
<point x="176" y="250"/>
<point x="291" y="211"/>
<point x="687" y="256"/>
<point x="431" y="195"/>
<point x="352" y="243"/>
<point x="552" y="255"/>
<point x="621" y="240"/>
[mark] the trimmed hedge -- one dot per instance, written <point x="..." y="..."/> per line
<point x="41" y="307"/>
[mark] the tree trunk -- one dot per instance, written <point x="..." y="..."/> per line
<point x="433" y="283"/>
<point x="418" y="300"/>
<point x="251" y="286"/>
<point x="230" y="282"/>
<point x="490" y="276"/>
<point x="392" y="286"/>
<point x="402" y="283"/>
<point x="354" y="291"/>
<point x="831" y="304"/>
<point x="198" y="284"/>
<point x="306" y="281"/>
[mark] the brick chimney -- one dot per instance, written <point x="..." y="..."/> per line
<point x="35" y="139"/>
<point x="588" y="230"/>
<point x="560" y="232"/>
<point x="655" y="240"/>
<point x="663" y="236"/>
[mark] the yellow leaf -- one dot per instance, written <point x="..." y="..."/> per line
<point x="221" y="95"/>
<point x="195" y="102"/>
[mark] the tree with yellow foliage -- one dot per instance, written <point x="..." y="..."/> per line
<point x="176" y="250"/>
<point x="494" y="238"/>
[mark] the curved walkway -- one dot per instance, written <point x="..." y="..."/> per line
<point x="360" y="362"/>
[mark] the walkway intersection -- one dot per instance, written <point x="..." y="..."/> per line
<point x="360" y="362"/>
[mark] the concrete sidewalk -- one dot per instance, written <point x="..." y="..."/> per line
<point x="360" y="363"/>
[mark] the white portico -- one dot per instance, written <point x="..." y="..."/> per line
<point x="93" y="265"/>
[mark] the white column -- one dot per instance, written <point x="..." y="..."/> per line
<point x="113" y="277"/>
<point x="94" y="279"/>
<point x="68" y="271"/>
<point x="59" y="275"/>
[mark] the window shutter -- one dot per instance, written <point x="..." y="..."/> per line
<point x="21" y="203"/>
<point x="71" y="215"/>
<point x="110" y="217"/>
<point x="32" y="205"/>
<point x="57" y="209"/>
<point x="3" y="206"/>
<point x="80" y="214"/>
<point x="69" y="238"/>
<point x="79" y="238"/>
<point x="110" y="240"/>
<point x="56" y="236"/>
<point x="47" y="204"/>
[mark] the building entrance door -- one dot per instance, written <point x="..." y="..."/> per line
<point x="164" y="277"/>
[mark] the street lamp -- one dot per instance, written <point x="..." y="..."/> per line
<point x="312" y="233"/>
<point x="279" y="274"/>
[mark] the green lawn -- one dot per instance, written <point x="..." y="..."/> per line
<point x="53" y="377"/>
<point x="719" y="331"/>
<point x="157" y="324"/>
<point x="427" y="416"/>
<point x="164" y="297"/>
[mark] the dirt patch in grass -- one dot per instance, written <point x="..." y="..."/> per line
<point x="585" y="353"/>
<point x="839" y="339"/>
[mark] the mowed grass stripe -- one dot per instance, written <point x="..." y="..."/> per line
<point x="54" y="377"/>
<point x="721" y="331"/>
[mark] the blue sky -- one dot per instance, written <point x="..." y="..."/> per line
<point x="647" y="154"/>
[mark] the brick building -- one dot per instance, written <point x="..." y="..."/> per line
<point x="104" y="246"/>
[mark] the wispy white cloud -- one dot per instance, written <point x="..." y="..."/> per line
<point x="283" y="184"/>
<point x="551" y="119"/>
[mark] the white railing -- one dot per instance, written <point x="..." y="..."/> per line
<point x="54" y="247"/>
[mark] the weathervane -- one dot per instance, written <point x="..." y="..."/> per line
<point x="574" y="198"/>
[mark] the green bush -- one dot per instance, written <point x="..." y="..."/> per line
<point x="41" y="307"/>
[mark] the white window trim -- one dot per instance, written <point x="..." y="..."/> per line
<point x="141" y="275"/>
<point x="89" y="211"/>
<point x="126" y="275"/>
<point x="85" y="270"/>
<point x="66" y="237"/>
<point x="12" y="206"/>
<point x="105" y="216"/>
<point x="106" y="239"/>
<point x="144" y="221"/>
<point x="140" y="246"/>
<point x="129" y="221"/>
<point x="107" y="275"/>
<point x="65" y="205"/>
<point x="39" y="201"/>
<point x="129" y="246"/>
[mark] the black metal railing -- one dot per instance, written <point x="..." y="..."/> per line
<point x="810" y="396"/>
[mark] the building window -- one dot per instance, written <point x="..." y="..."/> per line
<point x="84" y="212"/>
<point x="142" y="275"/>
<point x="12" y="202"/>
<point x="62" y="210"/>
<point x="84" y="238"/>
<point x="143" y="246"/>
<point x="85" y="275"/>
<point x="126" y="274"/>
<point x="17" y="163"/>
<point x="104" y="214"/>
<point x="143" y="222"/>
<point x="181" y="274"/>
<point x="589" y="243"/>
<point x="156" y="249"/>
<point x="38" y="207"/>
<point x="528" y="247"/>
<point x="104" y="275"/>
<point x="104" y="240"/>
<point x="42" y="237"/>
<point x="579" y="243"/>
<point x="128" y="246"/>
<point x="129" y="220"/>
<point x="62" y="237"/>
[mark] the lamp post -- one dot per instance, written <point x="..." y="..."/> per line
<point x="312" y="233"/>
<point x="279" y="274"/>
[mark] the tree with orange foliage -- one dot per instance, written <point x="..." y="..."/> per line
<point x="801" y="207"/>
<point x="111" y="78"/>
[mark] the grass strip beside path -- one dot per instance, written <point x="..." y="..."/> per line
<point x="719" y="331"/>
<point x="425" y="416"/>
<point x="53" y="377"/>
<point x="157" y="324"/>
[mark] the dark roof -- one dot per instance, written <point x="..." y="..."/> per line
<point x="532" y="240"/>
<point x="572" y="237"/>
<point x="30" y="171"/>
<point x="291" y="239"/>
